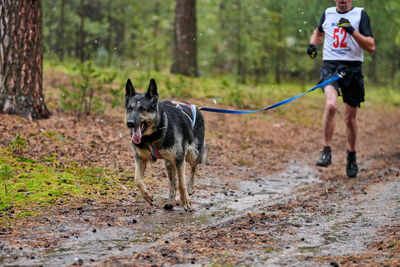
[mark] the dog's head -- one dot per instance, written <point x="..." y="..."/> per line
<point x="141" y="110"/>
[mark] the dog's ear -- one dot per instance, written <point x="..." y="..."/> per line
<point x="129" y="91"/>
<point x="152" y="91"/>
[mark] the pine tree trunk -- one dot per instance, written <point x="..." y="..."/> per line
<point x="185" y="42"/>
<point x="21" y="68"/>
<point x="60" y="41"/>
<point x="279" y="50"/>
<point x="109" y="33"/>
<point x="156" y="32"/>
<point x="221" y="61"/>
<point x="241" y="71"/>
<point x="81" y="32"/>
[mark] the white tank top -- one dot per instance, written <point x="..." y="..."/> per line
<point x="338" y="44"/>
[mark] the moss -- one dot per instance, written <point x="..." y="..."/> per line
<point x="28" y="185"/>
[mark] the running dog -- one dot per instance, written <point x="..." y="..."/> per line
<point x="168" y="130"/>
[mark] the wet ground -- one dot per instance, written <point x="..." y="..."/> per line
<point x="260" y="200"/>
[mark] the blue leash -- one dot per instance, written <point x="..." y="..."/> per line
<point x="217" y="110"/>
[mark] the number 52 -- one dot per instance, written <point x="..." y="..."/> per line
<point x="336" y="37"/>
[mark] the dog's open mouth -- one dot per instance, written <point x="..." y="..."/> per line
<point x="137" y="133"/>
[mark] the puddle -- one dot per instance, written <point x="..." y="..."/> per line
<point x="223" y="204"/>
<point x="350" y="226"/>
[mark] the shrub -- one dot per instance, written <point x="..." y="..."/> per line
<point x="85" y="94"/>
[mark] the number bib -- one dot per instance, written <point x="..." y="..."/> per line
<point x="338" y="44"/>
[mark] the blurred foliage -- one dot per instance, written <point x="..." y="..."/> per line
<point x="262" y="41"/>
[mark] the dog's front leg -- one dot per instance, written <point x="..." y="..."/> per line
<point x="140" y="167"/>
<point x="172" y="185"/>
<point x="180" y="166"/>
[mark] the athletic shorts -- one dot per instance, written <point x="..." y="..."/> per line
<point x="351" y="86"/>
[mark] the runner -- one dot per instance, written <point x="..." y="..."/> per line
<point x="346" y="31"/>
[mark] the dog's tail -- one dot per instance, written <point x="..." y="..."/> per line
<point x="199" y="134"/>
<point x="202" y="152"/>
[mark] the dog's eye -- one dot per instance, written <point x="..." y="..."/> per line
<point x="129" y="109"/>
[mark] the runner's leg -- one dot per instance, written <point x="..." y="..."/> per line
<point x="350" y="114"/>
<point x="328" y="120"/>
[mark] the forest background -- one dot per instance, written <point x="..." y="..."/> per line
<point x="252" y="42"/>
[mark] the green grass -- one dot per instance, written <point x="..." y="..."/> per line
<point x="28" y="186"/>
<point x="383" y="94"/>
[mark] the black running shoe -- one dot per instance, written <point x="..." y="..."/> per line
<point x="351" y="168"/>
<point x="326" y="157"/>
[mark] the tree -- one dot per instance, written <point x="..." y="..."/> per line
<point x="156" y="33"/>
<point x="80" y="48"/>
<point x="241" y="71"/>
<point x="21" y="68"/>
<point x="185" y="42"/>
<point x="60" y="32"/>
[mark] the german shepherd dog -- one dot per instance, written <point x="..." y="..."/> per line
<point x="173" y="131"/>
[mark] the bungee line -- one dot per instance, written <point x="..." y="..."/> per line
<point x="229" y="111"/>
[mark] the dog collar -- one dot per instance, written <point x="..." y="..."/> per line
<point x="154" y="153"/>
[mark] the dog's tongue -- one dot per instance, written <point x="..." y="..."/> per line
<point x="136" y="135"/>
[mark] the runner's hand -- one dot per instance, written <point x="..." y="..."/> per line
<point x="312" y="51"/>
<point x="345" y="24"/>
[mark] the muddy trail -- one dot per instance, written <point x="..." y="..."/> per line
<point x="259" y="201"/>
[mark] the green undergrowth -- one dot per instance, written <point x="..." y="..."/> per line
<point x="385" y="95"/>
<point x="224" y="91"/>
<point x="29" y="187"/>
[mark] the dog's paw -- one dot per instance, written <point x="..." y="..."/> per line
<point x="168" y="206"/>
<point x="190" y="191"/>
<point x="188" y="208"/>
<point x="148" y="198"/>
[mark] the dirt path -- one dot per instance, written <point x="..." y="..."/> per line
<point x="260" y="199"/>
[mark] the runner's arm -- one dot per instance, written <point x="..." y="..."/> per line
<point x="365" y="42"/>
<point x="316" y="37"/>
<point x="364" y="36"/>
